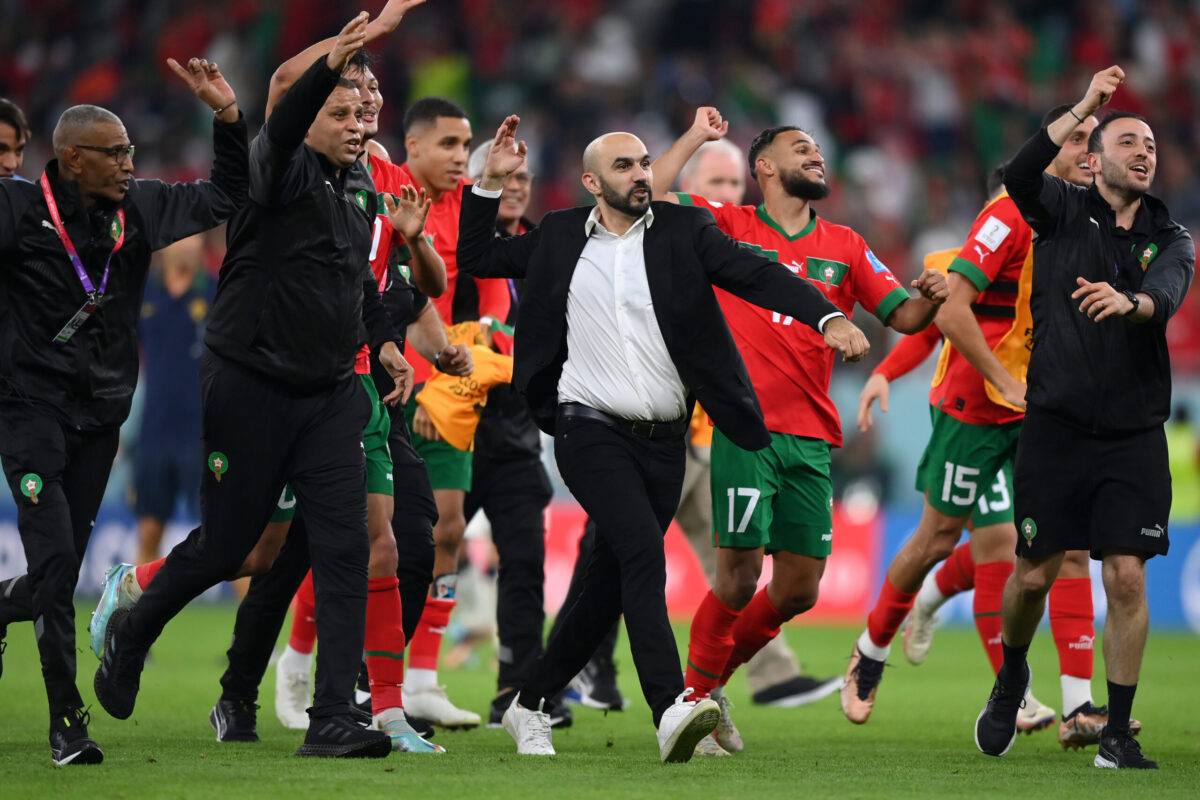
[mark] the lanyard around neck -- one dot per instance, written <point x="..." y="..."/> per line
<point x="69" y="246"/>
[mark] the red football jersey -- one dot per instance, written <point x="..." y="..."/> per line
<point x="789" y="363"/>
<point x="991" y="259"/>
<point x="388" y="179"/>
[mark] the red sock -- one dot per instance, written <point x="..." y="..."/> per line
<point x="144" y="573"/>
<point x="1072" y="625"/>
<point x="427" y="640"/>
<point x="304" y="617"/>
<point x="957" y="573"/>
<point x="890" y="610"/>
<point x="709" y="645"/>
<point x="384" y="643"/>
<point x="757" y="624"/>
<point x="989" y="593"/>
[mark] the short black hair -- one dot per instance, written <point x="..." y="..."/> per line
<point x="1056" y="112"/>
<point x="762" y="141"/>
<point x="362" y="60"/>
<point x="11" y="114"/>
<point x="345" y="83"/>
<point x="428" y="109"/>
<point x="1094" y="144"/>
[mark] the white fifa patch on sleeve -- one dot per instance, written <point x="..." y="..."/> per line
<point x="992" y="233"/>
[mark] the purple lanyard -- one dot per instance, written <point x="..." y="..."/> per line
<point x="72" y="253"/>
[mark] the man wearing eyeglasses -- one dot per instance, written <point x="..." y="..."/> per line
<point x="74" y="253"/>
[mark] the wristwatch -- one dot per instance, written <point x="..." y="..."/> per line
<point x="1133" y="298"/>
<point x="437" y="357"/>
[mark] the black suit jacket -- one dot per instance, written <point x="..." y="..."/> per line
<point x="686" y="255"/>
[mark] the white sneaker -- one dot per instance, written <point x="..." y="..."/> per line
<point x="708" y="747"/>
<point x="529" y="729"/>
<point x="726" y="733"/>
<point x="1033" y="716"/>
<point x="404" y="739"/>
<point x="683" y="725"/>
<point x="435" y="707"/>
<point x="293" y="693"/>
<point x="918" y="633"/>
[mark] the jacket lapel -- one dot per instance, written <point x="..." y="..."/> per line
<point x="656" y="252"/>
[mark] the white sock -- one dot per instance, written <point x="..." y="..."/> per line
<point x="416" y="680"/>
<point x="930" y="597"/>
<point x="1075" y="692"/>
<point x="295" y="661"/>
<point x="872" y="650"/>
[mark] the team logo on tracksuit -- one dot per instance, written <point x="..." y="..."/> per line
<point x="31" y="486"/>
<point x="1028" y="530"/>
<point x="218" y="464"/>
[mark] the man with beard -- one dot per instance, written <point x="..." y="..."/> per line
<point x="779" y="500"/>
<point x="619" y="335"/>
<point x="1110" y="268"/>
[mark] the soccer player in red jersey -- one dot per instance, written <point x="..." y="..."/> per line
<point x="977" y="404"/>
<point x="779" y="500"/>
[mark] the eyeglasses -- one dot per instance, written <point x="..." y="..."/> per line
<point x="117" y="153"/>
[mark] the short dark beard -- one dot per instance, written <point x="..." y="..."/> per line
<point x="798" y="186"/>
<point x="1117" y="182"/>
<point x="625" y="203"/>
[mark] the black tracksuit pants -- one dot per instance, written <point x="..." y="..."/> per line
<point x="72" y="467"/>
<point x="630" y="486"/>
<point x="265" y="436"/>
<point x="262" y="612"/>
<point x="514" y="494"/>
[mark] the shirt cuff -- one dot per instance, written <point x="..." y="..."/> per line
<point x="482" y="192"/>
<point x="821" y="322"/>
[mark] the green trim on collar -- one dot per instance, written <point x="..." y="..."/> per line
<point x="805" y="231"/>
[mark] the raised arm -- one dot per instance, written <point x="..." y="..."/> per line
<point x="174" y="212"/>
<point x="1040" y="196"/>
<point x="707" y="127"/>
<point x="915" y="313"/>
<point x="770" y="285"/>
<point x="289" y="71"/>
<point x="480" y="252"/>
<point x="407" y="213"/>
<point x="272" y="150"/>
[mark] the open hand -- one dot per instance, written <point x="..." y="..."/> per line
<point x="844" y="336"/>
<point x="505" y="156"/>
<point x="349" y="41"/>
<point x="407" y="211"/>
<point x="877" y="388"/>
<point x="400" y="370"/>
<point x="933" y="286"/>
<point x="206" y="82"/>
<point x="389" y="18"/>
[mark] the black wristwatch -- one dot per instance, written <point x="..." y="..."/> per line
<point x="1133" y="298"/>
<point x="437" y="357"/>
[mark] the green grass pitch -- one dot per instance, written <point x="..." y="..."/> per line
<point x="917" y="744"/>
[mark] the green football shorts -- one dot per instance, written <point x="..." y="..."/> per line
<point x="448" y="467"/>
<point x="375" y="442"/>
<point x="777" y="498"/>
<point x="963" y="464"/>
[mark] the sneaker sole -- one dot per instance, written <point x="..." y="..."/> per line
<point x="1103" y="763"/>
<point x="813" y="695"/>
<point x="377" y="749"/>
<point x="1007" y="747"/>
<point x="698" y="724"/>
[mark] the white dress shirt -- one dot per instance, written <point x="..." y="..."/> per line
<point x="617" y="361"/>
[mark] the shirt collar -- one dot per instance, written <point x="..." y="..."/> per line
<point x="593" y="220"/>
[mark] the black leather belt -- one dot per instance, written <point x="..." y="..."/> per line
<point x="645" y="429"/>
